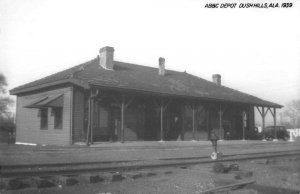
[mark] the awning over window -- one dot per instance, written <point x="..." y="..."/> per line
<point x="49" y="101"/>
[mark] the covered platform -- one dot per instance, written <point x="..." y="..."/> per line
<point x="104" y="100"/>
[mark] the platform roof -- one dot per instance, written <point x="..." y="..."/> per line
<point x="140" y="78"/>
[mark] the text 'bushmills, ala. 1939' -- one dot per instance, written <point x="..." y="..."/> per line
<point x="249" y="5"/>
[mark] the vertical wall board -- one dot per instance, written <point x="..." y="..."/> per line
<point x="28" y="122"/>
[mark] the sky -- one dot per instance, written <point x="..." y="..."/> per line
<point x="256" y="51"/>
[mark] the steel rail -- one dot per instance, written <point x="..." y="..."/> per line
<point x="63" y="169"/>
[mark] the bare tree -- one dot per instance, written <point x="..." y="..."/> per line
<point x="292" y="111"/>
<point x="5" y="101"/>
<point x="3" y="84"/>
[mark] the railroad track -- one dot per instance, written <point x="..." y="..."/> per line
<point x="77" y="168"/>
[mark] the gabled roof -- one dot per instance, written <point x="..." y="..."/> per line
<point x="142" y="78"/>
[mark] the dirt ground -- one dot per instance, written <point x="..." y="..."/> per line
<point x="278" y="175"/>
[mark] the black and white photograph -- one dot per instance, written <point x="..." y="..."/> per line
<point x="150" y="96"/>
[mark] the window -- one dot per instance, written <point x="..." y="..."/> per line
<point x="44" y="118"/>
<point x="58" y="113"/>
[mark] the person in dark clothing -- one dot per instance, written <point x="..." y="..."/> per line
<point x="214" y="140"/>
<point x="175" y="128"/>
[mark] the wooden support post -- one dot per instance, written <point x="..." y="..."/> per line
<point x="90" y="116"/>
<point x="274" y="119"/>
<point x="275" y="124"/>
<point x="263" y="114"/>
<point x="122" y="118"/>
<point x="243" y="120"/>
<point x="207" y="122"/>
<point x="89" y="123"/>
<point x="161" y="121"/>
<point x="193" y="109"/>
<point x="92" y="120"/>
<point x="220" y="121"/>
<point x="263" y="123"/>
<point x="123" y="105"/>
<point x="162" y="109"/>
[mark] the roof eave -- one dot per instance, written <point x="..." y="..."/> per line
<point x="77" y="82"/>
<point x="274" y="105"/>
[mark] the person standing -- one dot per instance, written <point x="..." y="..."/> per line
<point x="214" y="140"/>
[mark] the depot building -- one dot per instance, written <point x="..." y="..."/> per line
<point x="104" y="100"/>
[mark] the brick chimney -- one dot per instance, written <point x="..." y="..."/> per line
<point x="161" y="67"/>
<point x="106" y="55"/>
<point x="216" y="79"/>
